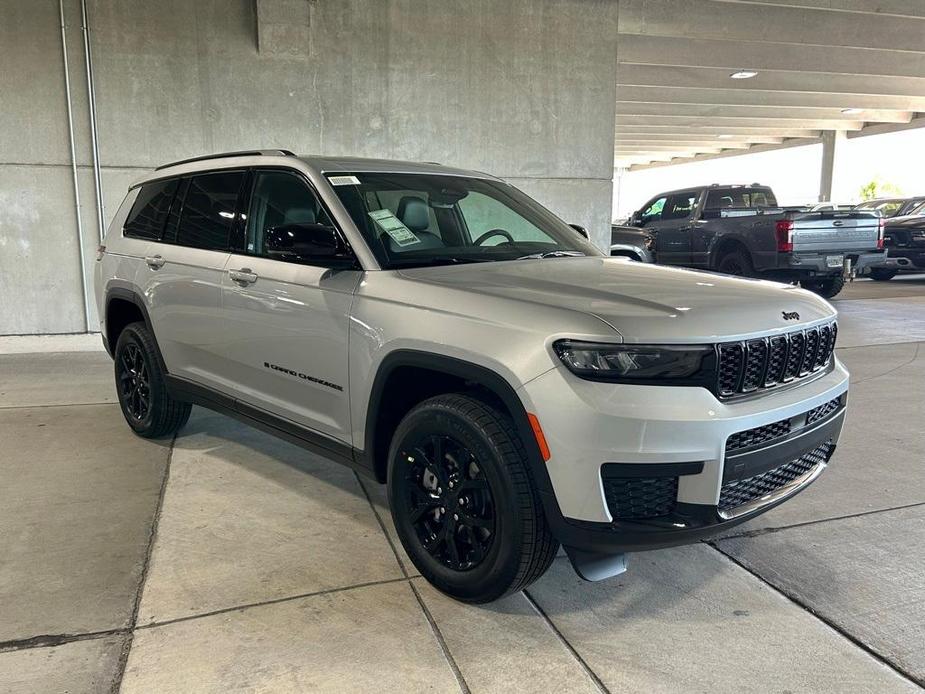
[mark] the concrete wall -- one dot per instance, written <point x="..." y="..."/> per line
<point x="524" y="89"/>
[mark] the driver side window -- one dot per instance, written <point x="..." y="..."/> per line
<point x="653" y="211"/>
<point x="483" y="214"/>
<point x="280" y="198"/>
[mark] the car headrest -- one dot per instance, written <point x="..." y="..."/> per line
<point x="300" y="215"/>
<point x="413" y="213"/>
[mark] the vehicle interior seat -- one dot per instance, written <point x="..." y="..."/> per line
<point x="414" y="214"/>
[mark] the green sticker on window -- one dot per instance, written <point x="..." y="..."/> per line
<point x="393" y="226"/>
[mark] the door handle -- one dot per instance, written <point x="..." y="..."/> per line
<point x="243" y="276"/>
<point x="155" y="262"/>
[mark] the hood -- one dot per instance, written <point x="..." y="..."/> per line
<point x="644" y="303"/>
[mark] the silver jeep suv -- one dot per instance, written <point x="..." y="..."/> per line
<point x="441" y="332"/>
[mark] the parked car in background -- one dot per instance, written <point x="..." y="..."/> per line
<point x="741" y="230"/>
<point x="904" y="240"/>
<point x="892" y="207"/>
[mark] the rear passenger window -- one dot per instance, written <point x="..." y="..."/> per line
<point x="209" y="210"/>
<point x="149" y="212"/>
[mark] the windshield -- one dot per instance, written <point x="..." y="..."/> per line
<point x="412" y="220"/>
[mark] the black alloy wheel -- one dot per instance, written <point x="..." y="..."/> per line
<point x="463" y="499"/>
<point x="450" y="501"/>
<point x="134" y="383"/>
<point x="141" y="385"/>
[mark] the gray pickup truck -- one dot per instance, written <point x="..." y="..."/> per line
<point x="741" y="230"/>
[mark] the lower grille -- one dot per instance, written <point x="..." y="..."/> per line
<point x="738" y="492"/>
<point x="758" y="435"/>
<point x="823" y="411"/>
<point x="637" y="498"/>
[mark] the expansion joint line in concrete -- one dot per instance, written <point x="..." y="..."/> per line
<point x="909" y="677"/>
<point x="565" y="642"/>
<point x="152" y="535"/>
<point x="438" y="635"/>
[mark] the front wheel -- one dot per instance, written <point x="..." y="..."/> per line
<point x="142" y="387"/>
<point x="826" y="288"/>
<point x="463" y="501"/>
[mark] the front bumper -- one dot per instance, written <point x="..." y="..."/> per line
<point x="904" y="258"/>
<point x="676" y="432"/>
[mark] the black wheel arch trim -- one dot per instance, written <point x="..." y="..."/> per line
<point x="478" y="375"/>
<point x="117" y="289"/>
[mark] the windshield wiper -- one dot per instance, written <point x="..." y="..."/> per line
<point x="552" y="254"/>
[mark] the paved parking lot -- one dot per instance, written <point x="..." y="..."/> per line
<point x="229" y="560"/>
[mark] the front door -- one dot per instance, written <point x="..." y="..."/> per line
<point x="673" y="227"/>
<point x="286" y="320"/>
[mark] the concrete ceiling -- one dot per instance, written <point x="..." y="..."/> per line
<point x="676" y="101"/>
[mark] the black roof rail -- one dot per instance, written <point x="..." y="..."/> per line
<point x="223" y="155"/>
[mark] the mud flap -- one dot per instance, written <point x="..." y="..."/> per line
<point x="593" y="566"/>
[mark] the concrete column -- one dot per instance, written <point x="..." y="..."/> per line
<point x="832" y="141"/>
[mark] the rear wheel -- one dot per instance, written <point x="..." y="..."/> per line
<point x="827" y="288"/>
<point x="142" y="388"/>
<point x="463" y="501"/>
<point x="882" y="274"/>
<point x="737" y="262"/>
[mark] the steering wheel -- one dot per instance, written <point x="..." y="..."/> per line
<point x="494" y="232"/>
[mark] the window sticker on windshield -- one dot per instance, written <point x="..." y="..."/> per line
<point x="344" y="180"/>
<point x="392" y="226"/>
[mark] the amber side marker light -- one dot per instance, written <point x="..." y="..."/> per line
<point x="538" y="434"/>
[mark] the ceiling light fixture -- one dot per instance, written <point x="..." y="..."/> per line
<point x="743" y="74"/>
<point x="851" y="111"/>
<point x="724" y="137"/>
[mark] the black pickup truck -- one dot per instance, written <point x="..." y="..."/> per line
<point x="741" y="230"/>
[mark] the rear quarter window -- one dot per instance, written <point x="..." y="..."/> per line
<point x="149" y="212"/>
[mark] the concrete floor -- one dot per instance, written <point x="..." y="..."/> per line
<point x="231" y="561"/>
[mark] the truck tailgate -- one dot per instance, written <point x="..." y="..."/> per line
<point x="836" y="232"/>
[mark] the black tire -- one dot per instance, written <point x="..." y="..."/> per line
<point x="738" y="263"/>
<point x="500" y="542"/>
<point x="882" y="274"/>
<point x="826" y="288"/>
<point x="142" y="388"/>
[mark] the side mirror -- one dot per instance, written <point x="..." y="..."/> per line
<point x="316" y="244"/>
<point x="581" y="230"/>
<point x="636" y="219"/>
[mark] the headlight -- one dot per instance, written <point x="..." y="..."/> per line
<point x="606" y="362"/>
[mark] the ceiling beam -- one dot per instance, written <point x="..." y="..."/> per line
<point x="717" y="121"/>
<point x="749" y="111"/>
<point x="767" y="53"/>
<point x="705" y="157"/>
<point x="740" y="97"/>
<point x="775" y="23"/>
<point x="898" y="8"/>
<point x="624" y="129"/>
<point x="808" y="82"/>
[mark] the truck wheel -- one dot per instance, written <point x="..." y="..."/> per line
<point x="142" y="388"/>
<point x="463" y="501"/>
<point x="882" y="274"/>
<point x="737" y="263"/>
<point x="826" y="288"/>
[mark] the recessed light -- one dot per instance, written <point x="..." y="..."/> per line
<point x="743" y="74"/>
<point x="850" y="111"/>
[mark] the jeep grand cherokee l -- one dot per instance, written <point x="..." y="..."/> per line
<point x="441" y="332"/>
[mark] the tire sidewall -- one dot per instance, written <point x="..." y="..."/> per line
<point x="500" y="565"/>
<point x="737" y="259"/>
<point x="131" y="336"/>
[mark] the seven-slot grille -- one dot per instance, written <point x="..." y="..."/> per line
<point x="745" y="367"/>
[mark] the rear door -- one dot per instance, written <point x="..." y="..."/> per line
<point x="182" y="280"/>
<point x="284" y="338"/>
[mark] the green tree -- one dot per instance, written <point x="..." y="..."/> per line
<point x="876" y="188"/>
